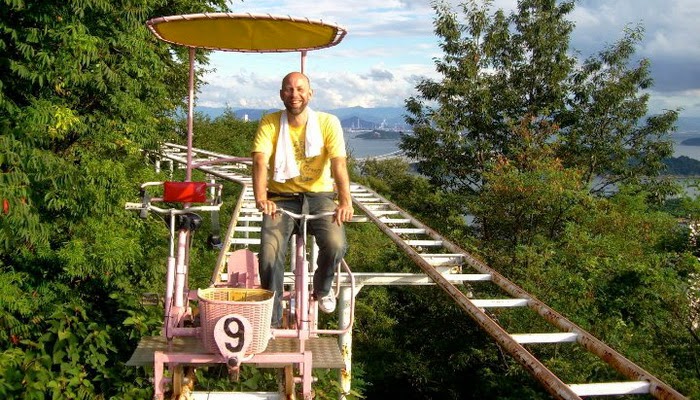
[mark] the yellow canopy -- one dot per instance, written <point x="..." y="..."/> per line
<point x="246" y="32"/>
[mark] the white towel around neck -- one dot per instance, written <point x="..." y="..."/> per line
<point x="285" y="162"/>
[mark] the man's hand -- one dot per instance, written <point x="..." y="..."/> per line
<point x="339" y="171"/>
<point x="267" y="207"/>
<point x="343" y="213"/>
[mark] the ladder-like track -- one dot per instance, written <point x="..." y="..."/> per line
<point x="434" y="255"/>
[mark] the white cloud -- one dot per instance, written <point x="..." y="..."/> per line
<point x="391" y="45"/>
<point x="687" y="100"/>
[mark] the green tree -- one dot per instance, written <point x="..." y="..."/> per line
<point x="500" y="71"/>
<point x="226" y="134"/>
<point x="394" y="179"/>
<point x="529" y="196"/>
<point x="617" y="266"/>
<point x="527" y="139"/>
<point x="604" y="127"/>
<point x="84" y="87"/>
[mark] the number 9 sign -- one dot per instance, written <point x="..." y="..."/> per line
<point x="233" y="334"/>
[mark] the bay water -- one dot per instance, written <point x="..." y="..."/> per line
<point x="360" y="147"/>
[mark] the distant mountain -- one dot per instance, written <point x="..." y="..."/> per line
<point x="212" y="112"/>
<point x="695" y="141"/>
<point x="252" y="114"/>
<point x="393" y="118"/>
<point x="682" y="165"/>
<point x="390" y="116"/>
<point x="350" y="117"/>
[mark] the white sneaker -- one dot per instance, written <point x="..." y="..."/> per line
<point x="327" y="303"/>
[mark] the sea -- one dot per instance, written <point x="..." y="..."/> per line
<point x="361" y="148"/>
<point x="679" y="149"/>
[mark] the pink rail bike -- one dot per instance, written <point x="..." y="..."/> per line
<point x="233" y="330"/>
<point x="233" y="326"/>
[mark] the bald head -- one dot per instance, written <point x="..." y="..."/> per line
<point x="293" y="77"/>
<point x="295" y="92"/>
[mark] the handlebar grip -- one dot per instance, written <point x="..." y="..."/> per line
<point x="133" y="206"/>
<point x="143" y="208"/>
<point x="145" y="202"/>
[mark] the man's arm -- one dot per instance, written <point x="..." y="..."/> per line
<point x="339" y="169"/>
<point x="260" y="162"/>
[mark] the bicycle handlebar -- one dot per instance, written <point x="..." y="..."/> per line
<point x="305" y="216"/>
<point x="175" y="211"/>
<point x="145" y="205"/>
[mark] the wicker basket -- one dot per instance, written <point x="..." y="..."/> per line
<point x="253" y="304"/>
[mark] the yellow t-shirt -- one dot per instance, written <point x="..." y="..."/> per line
<point x="315" y="172"/>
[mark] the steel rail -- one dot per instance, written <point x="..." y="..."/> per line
<point x="658" y="388"/>
<point x="550" y="381"/>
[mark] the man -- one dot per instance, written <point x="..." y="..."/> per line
<point x="298" y="157"/>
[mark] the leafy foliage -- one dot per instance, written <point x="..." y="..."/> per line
<point x="84" y="88"/>
<point x="226" y="134"/>
<point x="524" y="139"/>
<point x="682" y="165"/>
<point x="500" y="72"/>
<point x="530" y="196"/>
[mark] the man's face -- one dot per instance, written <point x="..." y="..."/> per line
<point x="295" y="93"/>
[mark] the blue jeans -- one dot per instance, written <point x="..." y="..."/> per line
<point x="275" y="237"/>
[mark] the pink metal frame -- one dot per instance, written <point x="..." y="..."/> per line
<point x="305" y="313"/>
<point x="178" y="295"/>
<point x="161" y="358"/>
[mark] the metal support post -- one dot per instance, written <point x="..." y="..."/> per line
<point x="345" y="339"/>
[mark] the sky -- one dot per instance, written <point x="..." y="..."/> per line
<point x="390" y="46"/>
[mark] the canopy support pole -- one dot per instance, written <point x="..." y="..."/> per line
<point x="303" y="61"/>
<point x="190" y="117"/>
